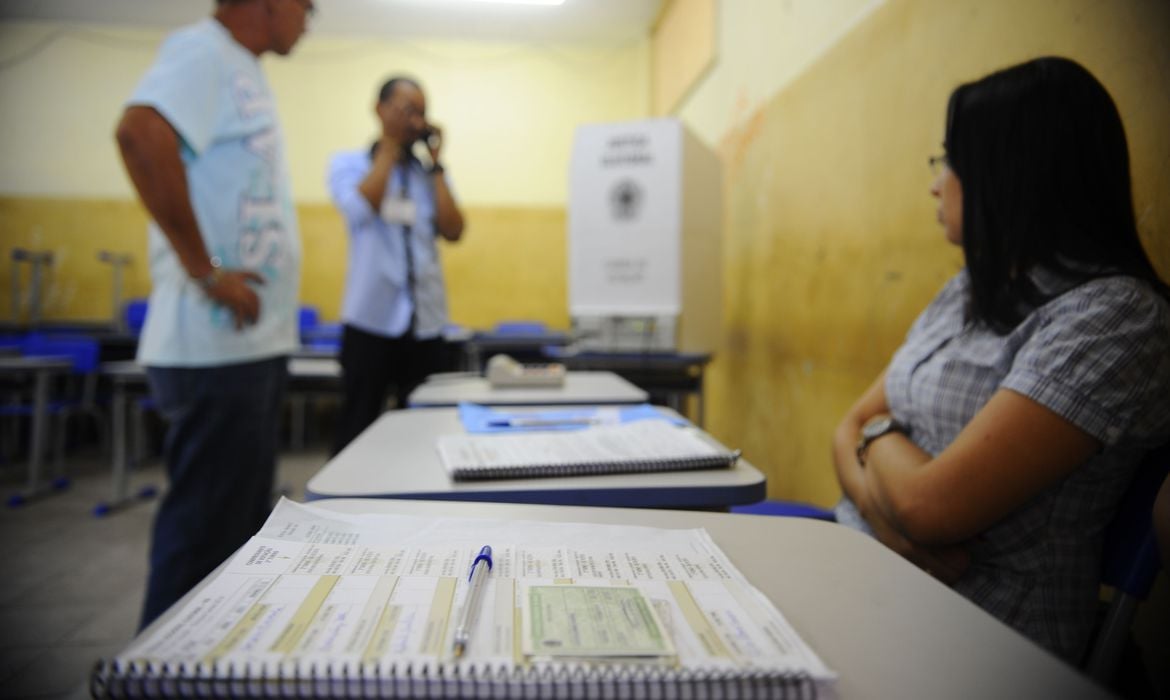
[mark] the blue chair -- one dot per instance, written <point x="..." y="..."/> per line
<point x="135" y="312"/>
<point x="308" y="319"/>
<point x="789" y="509"/>
<point x="134" y="315"/>
<point x="1129" y="564"/>
<point x="317" y="336"/>
<point x="520" y="328"/>
<point x="11" y="342"/>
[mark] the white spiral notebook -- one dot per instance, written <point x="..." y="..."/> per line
<point x="326" y="605"/>
<point x="641" y="446"/>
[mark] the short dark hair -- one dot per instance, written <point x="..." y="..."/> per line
<point x="1041" y="156"/>
<point x="387" y="89"/>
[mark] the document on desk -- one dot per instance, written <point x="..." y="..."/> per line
<point x="643" y="446"/>
<point x="317" y="597"/>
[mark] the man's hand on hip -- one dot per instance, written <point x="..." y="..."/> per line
<point x="231" y="289"/>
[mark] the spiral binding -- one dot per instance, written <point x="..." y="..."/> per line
<point x="121" y="679"/>
<point x="595" y="468"/>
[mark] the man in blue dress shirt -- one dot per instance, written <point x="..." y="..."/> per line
<point x="395" y="208"/>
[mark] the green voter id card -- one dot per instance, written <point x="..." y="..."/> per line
<point x="570" y="620"/>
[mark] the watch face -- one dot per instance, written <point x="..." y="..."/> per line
<point x="877" y="428"/>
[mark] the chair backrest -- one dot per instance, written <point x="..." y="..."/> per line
<point x="1129" y="564"/>
<point x="308" y="319"/>
<point x="134" y="314"/>
<point x="1130" y="559"/>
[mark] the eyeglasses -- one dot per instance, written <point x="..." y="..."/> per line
<point x="308" y="6"/>
<point x="408" y="110"/>
<point x="938" y="162"/>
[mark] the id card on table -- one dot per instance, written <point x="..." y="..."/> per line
<point x="591" y="621"/>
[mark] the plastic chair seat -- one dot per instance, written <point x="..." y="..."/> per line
<point x="789" y="509"/>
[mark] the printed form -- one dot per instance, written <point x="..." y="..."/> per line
<point x="318" y="586"/>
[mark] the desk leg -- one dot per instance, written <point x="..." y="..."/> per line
<point x="700" y="400"/>
<point x="471" y="358"/>
<point x="120" y="475"/>
<point x="120" y="480"/>
<point x="36" y="453"/>
<point x="297" y="406"/>
<point x="36" y="447"/>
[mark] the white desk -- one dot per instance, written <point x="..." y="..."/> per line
<point x="886" y="627"/>
<point x="312" y="368"/>
<point x="396" y="458"/>
<point x="580" y="388"/>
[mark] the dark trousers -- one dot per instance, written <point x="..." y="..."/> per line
<point x="220" y="453"/>
<point x="370" y="365"/>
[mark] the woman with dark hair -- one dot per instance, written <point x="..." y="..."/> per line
<point x="994" y="448"/>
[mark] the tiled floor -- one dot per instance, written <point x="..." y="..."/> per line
<point x="71" y="584"/>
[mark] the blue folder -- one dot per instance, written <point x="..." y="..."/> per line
<point x="483" y="419"/>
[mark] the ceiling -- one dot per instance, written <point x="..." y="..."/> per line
<point x="575" y="20"/>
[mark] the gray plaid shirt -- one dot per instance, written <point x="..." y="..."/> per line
<point x="1098" y="355"/>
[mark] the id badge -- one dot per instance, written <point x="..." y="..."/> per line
<point x="398" y="210"/>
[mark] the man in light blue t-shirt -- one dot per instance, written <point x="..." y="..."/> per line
<point x="203" y="147"/>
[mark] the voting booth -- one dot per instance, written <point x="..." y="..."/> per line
<point x="645" y="216"/>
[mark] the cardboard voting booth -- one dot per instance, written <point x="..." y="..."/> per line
<point x="645" y="216"/>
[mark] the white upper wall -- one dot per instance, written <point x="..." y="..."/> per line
<point x="508" y="110"/>
<point x="762" y="46"/>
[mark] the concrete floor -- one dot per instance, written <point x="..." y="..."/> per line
<point x="71" y="585"/>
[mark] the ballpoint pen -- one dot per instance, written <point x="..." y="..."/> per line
<point x="480" y="568"/>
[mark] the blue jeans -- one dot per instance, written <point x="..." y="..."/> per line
<point x="220" y="453"/>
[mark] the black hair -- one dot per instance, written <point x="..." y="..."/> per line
<point x="386" y="92"/>
<point x="387" y="89"/>
<point x="1041" y="156"/>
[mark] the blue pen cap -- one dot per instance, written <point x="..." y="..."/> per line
<point x="485" y="555"/>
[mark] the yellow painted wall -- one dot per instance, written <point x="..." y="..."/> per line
<point x="831" y="245"/>
<point x="761" y="46"/>
<point x="486" y="285"/>
<point x="682" y="50"/>
<point x="508" y="110"/>
<point x="74" y="231"/>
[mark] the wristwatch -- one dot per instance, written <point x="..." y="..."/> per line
<point x="874" y="429"/>
<point x="207" y="282"/>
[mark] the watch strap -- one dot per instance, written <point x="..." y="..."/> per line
<point x="869" y="435"/>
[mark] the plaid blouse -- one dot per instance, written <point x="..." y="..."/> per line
<point x="1098" y="354"/>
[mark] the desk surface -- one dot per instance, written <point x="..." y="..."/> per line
<point x="309" y="368"/>
<point x="623" y="359"/>
<point x="580" y="388"/>
<point x="888" y="629"/>
<point x="496" y="339"/>
<point x="396" y="458"/>
<point x="24" y="364"/>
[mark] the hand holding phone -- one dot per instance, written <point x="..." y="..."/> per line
<point x="432" y="138"/>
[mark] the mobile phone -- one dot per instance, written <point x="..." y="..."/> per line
<point x="430" y="137"/>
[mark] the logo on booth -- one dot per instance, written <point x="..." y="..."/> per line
<point x="625" y="200"/>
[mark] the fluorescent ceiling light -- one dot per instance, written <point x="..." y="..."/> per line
<point x="521" y="2"/>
